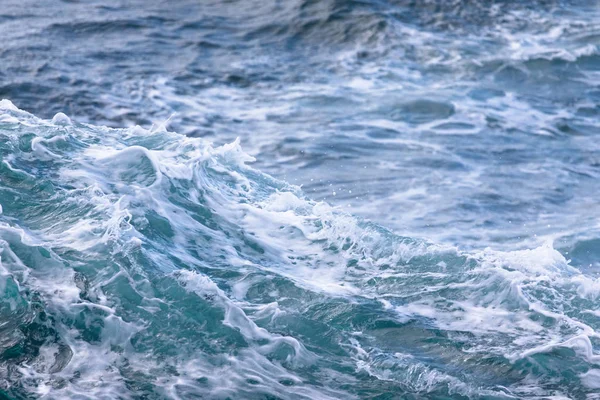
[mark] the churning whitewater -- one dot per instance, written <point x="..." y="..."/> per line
<point x="146" y="264"/>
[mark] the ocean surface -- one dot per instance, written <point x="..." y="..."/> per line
<point x="300" y="199"/>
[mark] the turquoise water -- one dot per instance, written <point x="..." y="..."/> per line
<point x="147" y="264"/>
<point x="299" y="200"/>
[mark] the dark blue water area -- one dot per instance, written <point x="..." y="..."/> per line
<point x="468" y="122"/>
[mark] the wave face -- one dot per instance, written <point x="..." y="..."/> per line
<point x="147" y="264"/>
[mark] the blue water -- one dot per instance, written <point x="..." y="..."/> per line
<point x="299" y="199"/>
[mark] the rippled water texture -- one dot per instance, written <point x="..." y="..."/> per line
<point x="467" y="122"/>
<point x="428" y="228"/>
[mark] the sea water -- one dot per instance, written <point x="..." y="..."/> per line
<point x="300" y="199"/>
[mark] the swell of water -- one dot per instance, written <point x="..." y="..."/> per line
<point x="148" y="264"/>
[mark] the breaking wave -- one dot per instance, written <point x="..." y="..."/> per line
<point x="148" y="264"/>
